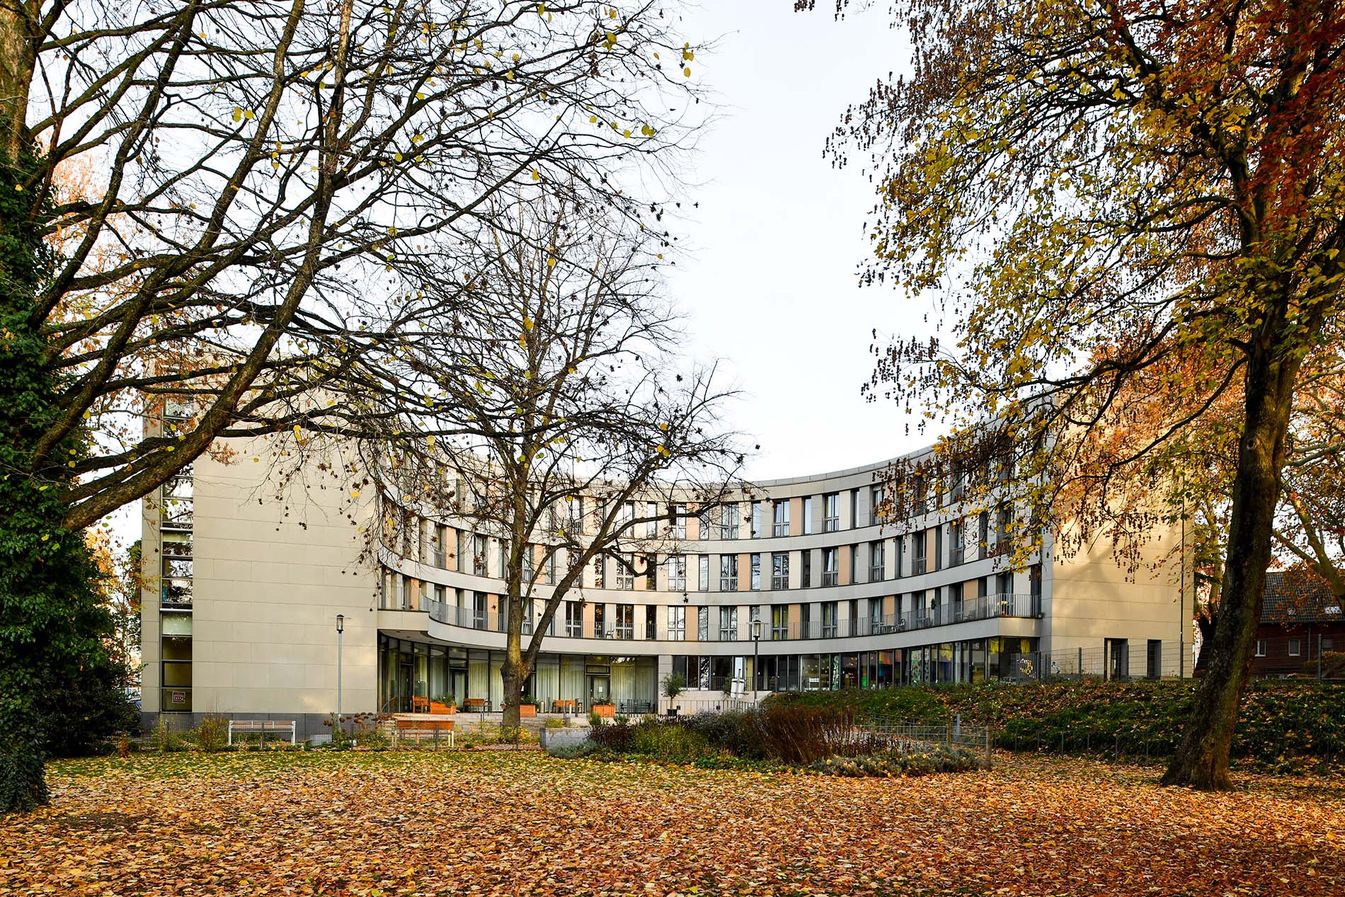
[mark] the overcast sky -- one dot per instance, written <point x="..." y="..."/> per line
<point x="770" y="283"/>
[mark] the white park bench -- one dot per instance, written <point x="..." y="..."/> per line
<point x="261" y="725"/>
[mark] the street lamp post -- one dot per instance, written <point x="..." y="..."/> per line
<point x="756" y="656"/>
<point x="340" y="633"/>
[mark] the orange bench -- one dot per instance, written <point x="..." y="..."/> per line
<point x="476" y="705"/>
<point x="569" y="705"/>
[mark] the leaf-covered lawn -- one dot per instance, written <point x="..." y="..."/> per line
<point x="521" y="823"/>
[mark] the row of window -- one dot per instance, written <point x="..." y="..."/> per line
<point x="887" y="614"/>
<point x="415" y="536"/>
<point x="914" y="554"/>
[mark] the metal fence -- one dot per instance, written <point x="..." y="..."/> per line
<point x="1306" y="656"/>
<point x="905" y="738"/>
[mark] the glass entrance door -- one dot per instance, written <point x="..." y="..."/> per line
<point x="599" y="689"/>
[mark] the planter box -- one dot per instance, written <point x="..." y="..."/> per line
<point x="527" y="710"/>
<point x="606" y="711"/>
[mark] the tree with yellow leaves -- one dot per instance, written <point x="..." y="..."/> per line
<point x="1099" y="190"/>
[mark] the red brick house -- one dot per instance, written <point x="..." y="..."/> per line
<point x="1302" y="629"/>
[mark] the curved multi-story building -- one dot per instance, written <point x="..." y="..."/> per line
<point x="798" y="585"/>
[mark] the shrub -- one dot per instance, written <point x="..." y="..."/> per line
<point x="553" y="723"/>
<point x="668" y="741"/>
<point x="574" y="751"/>
<point x="616" y="737"/>
<point x="803" y="735"/>
<point x="886" y="765"/>
<point x="211" y="734"/>
<point x="163" y="738"/>
<point x="736" y="731"/>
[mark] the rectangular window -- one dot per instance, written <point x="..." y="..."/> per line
<point x="703" y="580"/>
<point x="625" y="572"/>
<point x="938" y="548"/>
<point x="958" y="537"/>
<point x="703" y="623"/>
<point x="677" y="624"/>
<point x="779" y="622"/>
<point x="779" y="570"/>
<point x="706" y="522"/>
<point x="854" y="564"/>
<point x="831" y="512"/>
<point x="728" y="522"/>
<point x="480" y="610"/>
<point x="755" y="561"/>
<point x="677" y="573"/>
<point x="808" y="515"/>
<point x="574" y="619"/>
<point x="1295" y="647"/>
<point x="650" y="622"/>
<point x="728" y="573"/>
<point x="479" y="549"/>
<point x="625" y="621"/>
<point x="983" y="535"/>
<point x="806" y="568"/>
<point x="877" y="553"/>
<point x="854" y="508"/>
<point x="876" y="511"/>
<point x="650" y="520"/>
<point x="780" y="518"/>
<point x="758" y="520"/>
<point x="900" y="556"/>
<point x="600" y="629"/>
<point x="599" y="572"/>
<point x="829" y="619"/>
<point x="677" y="521"/>
<point x="829" y="566"/>
<point x="439" y="545"/>
<point x="1003" y="525"/>
<point x="919" y="498"/>
<point x="918" y="555"/>
<point x="728" y="624"/>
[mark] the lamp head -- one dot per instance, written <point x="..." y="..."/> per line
<point x="340" y="623"/>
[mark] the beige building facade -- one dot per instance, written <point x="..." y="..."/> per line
<point x="245" y="580"/>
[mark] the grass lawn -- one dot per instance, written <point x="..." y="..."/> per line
<point x="522" y="823"/>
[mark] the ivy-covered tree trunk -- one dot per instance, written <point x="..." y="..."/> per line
<point x="1201" y="760"/>
<point x="48" y="609"/>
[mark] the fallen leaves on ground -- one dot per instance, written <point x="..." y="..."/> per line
<point x="524" y="824"/>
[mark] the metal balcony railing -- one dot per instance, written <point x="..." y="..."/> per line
<point x="1007" y="605"/>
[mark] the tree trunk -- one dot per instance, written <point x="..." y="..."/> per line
<point x="513" y="673"/>
<point x="1201" y="760"/>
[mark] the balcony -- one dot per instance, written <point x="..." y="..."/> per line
<point x="1006" y="605"/>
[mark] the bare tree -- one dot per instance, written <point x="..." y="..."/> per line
<point x="193" y="194"/>
<point x="558" y="408"/>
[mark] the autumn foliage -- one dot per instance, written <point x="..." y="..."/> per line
<point x="518" y="823"/>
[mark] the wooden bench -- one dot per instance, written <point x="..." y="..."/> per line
<point x="419" y="729"/>
<point x="262" y="726"/>
<point x="568" y="705"/>
<point x="476" y="705"/>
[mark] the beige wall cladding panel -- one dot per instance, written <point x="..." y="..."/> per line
<point x="969" y="587"/>
<point x="843" y="560"/>
<point x="1092" y="598"/>
<point x="796" y="516"/>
